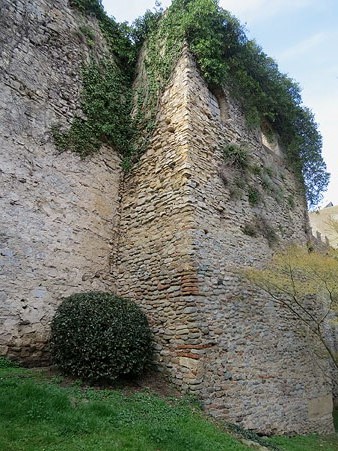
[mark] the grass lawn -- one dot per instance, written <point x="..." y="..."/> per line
<point x="38" y="414"/>
<point x="309" y="442"/>
<point x="42" y="413"/>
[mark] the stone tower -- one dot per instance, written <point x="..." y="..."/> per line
<point x="184" y="237"/>
<point x="173" y="234"/>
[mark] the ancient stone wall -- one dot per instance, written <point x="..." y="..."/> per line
<point x="155" y="264"/>
<point x="58" y="212"/>
<point x="189" y="222"/>
<point x="325" y="235"/>
<point x="262" y="371"/>
<point x="322" y="227"/>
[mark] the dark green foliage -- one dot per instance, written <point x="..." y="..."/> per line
<point x="254" y="196"/>
<point x="7" y="363"/>
<point x="145" y="25"/>
<point x="226" y="57"/>
<point x="100" y="337"/>
<point x="236" y="156"/>
<point x="204" y="25"/>
<point x="248" y="434"/>
<point x="106" y="103"/>
<point x="89" y="34"/>
<point x="335" y="418"/>
<point x="106" y="98"/>
<point x="304" y="150"/>
<point x="117" y="35"/>
<point x="269" y="98"/>
<point x="269" y="172"/>
<point x="93" y="7"/>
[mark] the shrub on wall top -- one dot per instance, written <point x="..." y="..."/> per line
<point x="100" y="337"/>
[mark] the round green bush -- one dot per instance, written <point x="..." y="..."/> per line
<point x="100" y="337"/>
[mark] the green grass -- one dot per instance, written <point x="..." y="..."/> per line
<point x="38" y="414"/>
<point x="309" y="442"/>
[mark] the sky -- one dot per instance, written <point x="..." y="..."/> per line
<point x="302" y="37"/>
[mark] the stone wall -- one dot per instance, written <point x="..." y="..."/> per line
<point x="189" y="220"/>
<point x="321" y="224"/>
<point x="155" y="264"/>
<point x="188" y="224"/>
<point x="261" y="371"/>
<point x="57" y="211"/>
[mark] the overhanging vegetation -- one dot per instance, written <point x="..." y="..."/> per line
<point x="225" y="57"/>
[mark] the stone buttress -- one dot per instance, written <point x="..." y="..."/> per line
<point x="182" y="245"/>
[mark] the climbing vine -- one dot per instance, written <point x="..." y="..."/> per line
<point x="106" y="106"/>
<point x="225" y="57"/>
<point x="117" y="35"/>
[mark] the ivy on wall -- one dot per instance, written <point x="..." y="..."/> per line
<point x="225" y="57"/>
<point x="117" y="35"/>
<point x="106" y="105"/>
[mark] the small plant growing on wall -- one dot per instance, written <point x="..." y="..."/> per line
<point x="260" y="226"/>
<point x="254" y="196"/>
<point x="100" y="337"/>
<point x="250" y="230"/>
<point x="88" y="33"/>
<point x="7" y="363"/>
<point x="106" y="104"/>
<point x="236" y="156"/>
